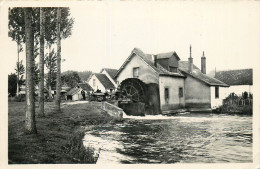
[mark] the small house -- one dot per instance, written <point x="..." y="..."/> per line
<point x="79" y="92"/>
<point x="240" y="80"/>
<point x="99" y="81"/>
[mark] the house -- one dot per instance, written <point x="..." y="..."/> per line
<point x="110" y="73"/>
<point x="170" y="83"/>
<point x="99" y="81"/>
<point x="239" y="80"/>
<point x="76" y="93"/>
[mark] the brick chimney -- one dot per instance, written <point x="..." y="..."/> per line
<point x="190" y="62"/>
<point x="155" y="60"/>
<point x="203" y="64"/>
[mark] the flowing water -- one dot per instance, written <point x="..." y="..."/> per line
<point x="190" y="138"/>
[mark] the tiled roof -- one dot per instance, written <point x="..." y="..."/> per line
<point x="85" y="86"/>
<point x="73" y="91"/>
<point x="104" y="80"/>
<point x="111" y="72"/>
<point x="148" y="59"/>
<point x="166" y="55"/>
<point x="236" y="77"/>
<point x="196" y="73"/>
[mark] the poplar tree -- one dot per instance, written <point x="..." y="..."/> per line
<point x="30" y="123"/>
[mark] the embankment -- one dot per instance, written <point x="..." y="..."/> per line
<point x="59" y="138"/>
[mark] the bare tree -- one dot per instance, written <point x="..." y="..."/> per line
<point x="30" y="123"/>
<point x="41" y="63"/>
<point x="58" y="81"/>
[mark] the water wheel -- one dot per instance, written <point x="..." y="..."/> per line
<point x="133" y="89"/>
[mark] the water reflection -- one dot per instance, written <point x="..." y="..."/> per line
<point x="186" y="139"/>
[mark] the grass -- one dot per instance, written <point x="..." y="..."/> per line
<point x="59" y="138"/>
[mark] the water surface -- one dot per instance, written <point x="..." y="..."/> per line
<point x="190" y="138"/>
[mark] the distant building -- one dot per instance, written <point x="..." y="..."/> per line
<point x="239" y="80"/>
<point x="99" y="81"/>
<point x="76" y="92"/>
<point x="176" y="84"/>
<point x="110" y="73"/>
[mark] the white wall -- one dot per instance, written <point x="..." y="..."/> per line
<point x="146" y="73"/>
<point x="77" y="96"/>
<point x="239" y="89"/>
<point x="173" y="84"/>
<point x="98" y="84"/>
<point x="216" y="102"/>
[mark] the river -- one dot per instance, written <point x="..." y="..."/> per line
<point x="187" y="138"/>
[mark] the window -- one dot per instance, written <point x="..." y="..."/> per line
<point x="166" y="94"/>
<point x="180" y="92"/>
<point x="136" y="72"/>
<point x="172" y="69"/>
<point x="94" y="82"/>
<point x="216" y="92"/>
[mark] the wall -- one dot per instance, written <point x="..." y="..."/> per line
<point x="216" y="102"/>
<point x="146" y="73"/>
<point x="98" y="84"/>
<point x="173" y="84"/>
<point x="239" y="89"/>
<point x="112" y="80"/>
<point x="77" y="96"/>
<point x="197" y="93"/>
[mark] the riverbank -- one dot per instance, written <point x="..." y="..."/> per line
<point x="59" y="138"/>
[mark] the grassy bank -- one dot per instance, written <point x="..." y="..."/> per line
<point x="59" y="138"/>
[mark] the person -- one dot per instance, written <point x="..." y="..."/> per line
<point x="83" y="94"/>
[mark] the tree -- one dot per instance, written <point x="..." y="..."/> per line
<point x="12" y="81"/>
<point x="58" y="81"/>
<point x="19" y="72"/>
<point x="70" y="78"/>
<point x="41" y="63"/>
<point x="30" y="123"/>
<point x="51" y="64"/>
<point x="16" y="32"/>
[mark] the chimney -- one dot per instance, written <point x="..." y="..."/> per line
<point x="203" y="64"/>
<point x="155" y="60"/>
<point x="190" y="62"/>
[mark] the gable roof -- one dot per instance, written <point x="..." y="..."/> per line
<point x="236" y="77"/>
<point x="72" y="91"/>
<point x="148" y="59"/>
<point x="104" y="80"/>
<point x="167" y="55"/>
<point x="85" y="86"/>
<point x="197" y="74"/>
<point x="111" y="72"/>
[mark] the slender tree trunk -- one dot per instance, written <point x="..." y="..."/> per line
<point x="58" y="79"/>
<point x="30" y="123"/>
<point x="18" y="67"/>
<point x="41" y="63"/>
<point x="49" y="74"/>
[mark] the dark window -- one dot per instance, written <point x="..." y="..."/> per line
<point x="136" y="72"/>
<point x="216" y="92"/>
<point x="94" y="82"/>
<point x="180" y="92"/>
<point x="172" y="69"/>
<point x="166" y="94"/>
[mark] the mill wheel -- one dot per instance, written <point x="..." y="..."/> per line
<point x="133" y="89"/>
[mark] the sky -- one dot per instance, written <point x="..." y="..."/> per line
<point x="105" y="33"/>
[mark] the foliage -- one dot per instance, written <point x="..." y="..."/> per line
<point x="84" y="75"/>
<point x="21" y="69"/>
<point x="12" y="81"/>
<point x="70" y="78"/>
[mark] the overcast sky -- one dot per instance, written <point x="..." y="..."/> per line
<point x="105" y="33"/>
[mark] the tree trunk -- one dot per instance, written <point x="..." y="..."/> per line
<point x="18" y="67"/>
<point x="49" y="75"/>
<point x="41" y="63"/>
<point x="58" y="79"/>
<point x="30" y="123"/>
